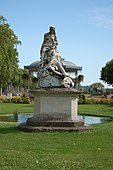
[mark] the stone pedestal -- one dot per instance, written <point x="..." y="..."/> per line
<point x="55" y="109"/>
<point x="56" y="102"/>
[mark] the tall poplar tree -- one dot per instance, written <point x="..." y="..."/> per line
<point x="8" y="53"/>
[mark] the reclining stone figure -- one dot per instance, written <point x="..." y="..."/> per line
<point x="51" y="72"/>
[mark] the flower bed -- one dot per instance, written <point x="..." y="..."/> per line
<point x="15" y="99"/>
<point x="1" y="99"/>
<point x="96" y="101"/>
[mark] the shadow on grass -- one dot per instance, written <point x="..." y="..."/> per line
<point x="12" y="129"/>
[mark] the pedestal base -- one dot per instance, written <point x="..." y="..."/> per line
<point x="25" y="128"/>
<point x="55" y="110"/>
<point x="60" y="103"/>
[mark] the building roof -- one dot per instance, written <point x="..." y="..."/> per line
<point x="68" y="66"/>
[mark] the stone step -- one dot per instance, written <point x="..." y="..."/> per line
<point x="26" y="128"/>
<point x="56" y="123"/>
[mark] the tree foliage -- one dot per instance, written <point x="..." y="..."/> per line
<point x="8" y="53"/>
<point x="107" y="73"/>
<point x="97" y="85"/>
<point x="97" y="88"/>
<point x="25" y="80"/>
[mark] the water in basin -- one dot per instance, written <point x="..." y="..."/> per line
<point x="23" y="117"/>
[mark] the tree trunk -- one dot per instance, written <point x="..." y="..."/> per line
<point x="0" y="91"/>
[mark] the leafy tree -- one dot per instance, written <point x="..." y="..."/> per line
<point x="97" y="88"/>
<point x="8" y="53"/>
<point x="24" y="80"/>
<point x="107" y="73"/>
<point x="97" y="85"/>
<point x="29" y="80"/>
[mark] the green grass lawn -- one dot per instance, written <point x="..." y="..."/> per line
<point x="10" y="108"/>
<point x="96" y="109"/>
<point x="59" y="150"/>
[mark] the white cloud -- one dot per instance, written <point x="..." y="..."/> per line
<point x="103" y="16"/>
<point x="103" y="10"/>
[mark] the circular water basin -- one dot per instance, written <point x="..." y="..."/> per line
<point x="21" y="118"/>
<point x="94" y="119"/>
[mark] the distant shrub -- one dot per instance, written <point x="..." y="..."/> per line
<point x="15" y="99"/>
<point x="21" y="99"/>
<point x="1" y="99"/>
<point x="7" y="100"/>
<point x="26" y="99"/>
<point x="96" y="101"/>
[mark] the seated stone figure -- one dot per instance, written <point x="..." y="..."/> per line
<point x="51" y="72"/>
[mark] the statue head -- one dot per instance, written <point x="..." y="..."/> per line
<point x="52" y="29"/>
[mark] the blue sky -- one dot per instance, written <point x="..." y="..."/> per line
<point x="84" y="30"/>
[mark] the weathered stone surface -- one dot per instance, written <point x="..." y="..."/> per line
<point x="26" y="128"/>
<point x="56" y="90"/>
<point x="51" y="122"/>
<point x="51" y="72"/>
<point x="56" y="102"/>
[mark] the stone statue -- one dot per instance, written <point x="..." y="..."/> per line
<point x="51" y="72"/>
